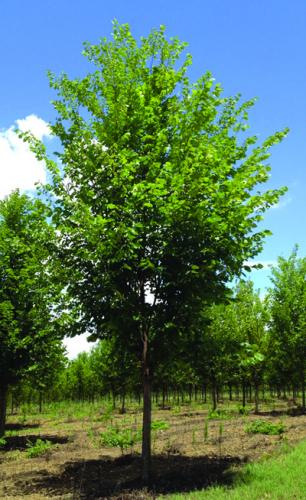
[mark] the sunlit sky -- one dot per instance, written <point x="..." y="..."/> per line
<point x="255" y="48"/>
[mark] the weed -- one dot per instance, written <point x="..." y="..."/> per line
<point x="159" y="425"/>
<point x="107" y="414"/>
<point x="205" y="432"/>
<point x="124" y="438"/>
<point x="242" y="410"/>
<point x="39" y="448"/>
<point x="218" y="414"/>
<point x="220" y="437"/>
<point x="11" y="433"/>
<point x="2" y="442"/>
<point x="93" y="436"/>
<point x="264" y="427"/>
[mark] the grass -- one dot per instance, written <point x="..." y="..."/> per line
<point x="281" y="477"/>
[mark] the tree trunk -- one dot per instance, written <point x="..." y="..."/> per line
<point x="146" y="425"/>
<point x="164" y="396"/>
<point x="303" y="392"/>
<point x="40" y="401"/>
<point x="256" y="398"/>
<point x="214" y="396"/>
<point x="243" y="394"/>
<point x="122" y="411"/>
<point x="3" y="395"/>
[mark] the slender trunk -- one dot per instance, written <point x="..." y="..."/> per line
<point x="256" y="398"/>
<point x="217" y="394"/>
<point x="146" y="425"/>
<point x="40" y="401"/>
<point x="214" y="396"/>
<point x="164" y="396"/>
<point x="114" y="398"/>
<point x="230" y="392"/>
<point x="3" y="395"/>
<point x="122" y="411"/>
<point x="237" y="392"/>
<point x="12" y="403"/>
<point x="243" y="394"/>
<point x="303" y="392"/>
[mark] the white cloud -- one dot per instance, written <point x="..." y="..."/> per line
<point x="18" y="166"/>
<point x="282" y="203"/>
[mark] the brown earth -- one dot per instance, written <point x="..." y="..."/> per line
<point x="187" y="456"/>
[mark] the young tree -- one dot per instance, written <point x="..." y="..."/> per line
<point x="288" y="324"/>
<point x="28" y="316"/>
<point x="155" y="197"/>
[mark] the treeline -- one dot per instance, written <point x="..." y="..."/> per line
<point x="243" y="348"/>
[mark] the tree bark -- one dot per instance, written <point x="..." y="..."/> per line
<point x="214" y="396"/>
<point x="163" y="396"/>
<point x="122" y="411"/>
<point x="3" y="396"/>
<point x="146" y="425"/>
<point x="256" y="398"/>
<point x="243" y="394"/>
<point x="40" y="401"/>
<point x="303" y="393"/>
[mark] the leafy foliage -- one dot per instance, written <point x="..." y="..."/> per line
<point x="265" y="427"/>
<point x="121" y="438"/>
<point x="159" y="425"/>
<point x="40" y="447"/>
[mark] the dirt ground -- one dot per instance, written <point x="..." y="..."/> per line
<point x="191" y="454"/>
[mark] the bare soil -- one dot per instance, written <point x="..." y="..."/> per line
<point x="189" y="455"/>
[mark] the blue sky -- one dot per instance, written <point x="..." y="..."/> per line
<point x="255" y="48"/>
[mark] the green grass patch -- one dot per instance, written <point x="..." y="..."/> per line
<point x="281" y="477"/>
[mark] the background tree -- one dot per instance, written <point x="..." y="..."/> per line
<point x="29" y="320"/>
<point x="252" y="319"/>
<point x="155" y="200"/>
<point x="116" y="367"/>
<point x="288" y="319"/>
<point x="49" y="361"/>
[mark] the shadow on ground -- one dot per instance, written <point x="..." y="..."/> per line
<point x="292" y="412"/>
<point x="23" y="442"/>
<point x="20" y="427"/>
<point x="120" y="478"/>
